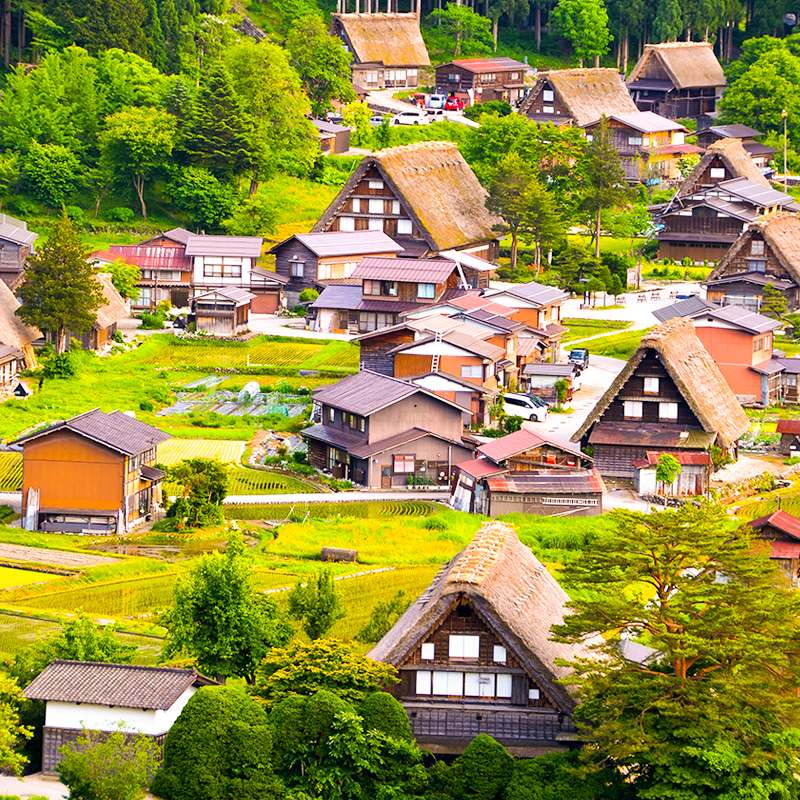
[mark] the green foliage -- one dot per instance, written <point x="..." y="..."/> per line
<point x="386" y="612"/>
<point x="381" y="712"/>
<point x="101" y="766"/>
<point x="204" y="485"/>
<point x="256" y="216"/>
<point x="471" y="31"/>
<point x="721" y="688"/>
<point x="585" y="24"/>
<point x="78" y="640"/>
<point x="498" y="108"/>
<point x="308" y="295"/>
<point x="484" y="769"/>
<point x="316" y="604"/>
<point x="219" y="619"/>
<point x="321" y="62"/>
<point x="208" y="201"/>
<point x="12" y="733"/>
<point x="125" y="277"/>
<point x="59" y="292"/>
<point x="220" y="748"/>
<point x="561" y="387"/>
<point x="773" y="302"/>
<point x="668" y="469"/>
<point x="303" y="669"/>
<point x="51" y="172"/>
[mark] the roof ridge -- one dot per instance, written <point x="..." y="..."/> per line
<point x="477" y="559"/>
<point x="141" y="667"/>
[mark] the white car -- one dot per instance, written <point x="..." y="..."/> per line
<point x="414" y="117"/>
<point x="525" y="406"/>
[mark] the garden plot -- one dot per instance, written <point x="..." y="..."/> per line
<point x="173" y="451"/>
<point x="227" y="403"/>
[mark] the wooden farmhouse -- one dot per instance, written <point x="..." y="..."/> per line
<point x="740" y="342"/>
<point x="481" y="80"/>
<point x="385" y="433"/>
<point x="223" y="312"/>
<point x="16" y="244"/>
<point x="677" y="79"/>
<point x="535" y="304"/>
<point x="94" y="473"/>
<point x="578" y="97"/>
<point x="475" y="656"/>
<point x="222" y="261"/>
<point x="767" y="252"/>
<point x="82" y="695"/>
<point x="388" y="49"/>
<point x="781" y="531"/>
<point x="789" y="429"/>
<point x="711" y="208"/>
<point x="476" y="400"/>
<point x="12" y="362"/>
<point x="423" y="195"/>
<point x="649" y="146"/>
<point x="692" y="481"/>
<point x="670" y="397"/>
<point x="540" y="378"/>
<point x="14" y="333"/>
<point x="760" y="153"/>
<point x="544" y="492"/>
<point x="111" y="311"/>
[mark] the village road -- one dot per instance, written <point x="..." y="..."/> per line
<point x="33" y="786"/>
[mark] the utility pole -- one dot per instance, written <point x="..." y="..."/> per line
<point x="784" y="114"/>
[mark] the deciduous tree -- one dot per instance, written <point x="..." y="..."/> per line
<point x="316" y="604"/>
<point x="472" y="32"/>
<point x="12" y="734"/>
<point x="585" y="24"/>
<point x="204" y="485"/>
<point x="256" y="216"/>
<point x="60" y="293"/>
<point x="220" y="620"/>
<point x="505" y="199"/>
<point x="51" y="173"/>
<point x="125" y="277"/>
<point x="207" y="200"/>
<point x="713" y="711"/>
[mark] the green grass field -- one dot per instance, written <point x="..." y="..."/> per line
<point x="10" y="577"/>
<point x="366" y="510"/>
<point x="620" y="345"/>
<point x="253" y="481"/>
<point x="580" y="328"/>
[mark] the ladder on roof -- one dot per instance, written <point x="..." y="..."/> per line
<point x="436" y="356"/>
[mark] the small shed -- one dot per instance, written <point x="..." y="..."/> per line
<point x="541" y="379"/>
<point x="333" y="139"/>
<point x="782" y="531"/>
<point x="223" y="312"/>
<point x="691" y="482"/>
<point x="789" y="429"/>
<point x="546" y="493"/>
<point x="109" y="697"/>
<point x="12" y="362"/>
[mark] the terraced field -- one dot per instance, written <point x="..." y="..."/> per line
<point x="173" y="451"/>
<point x="253" y="481"/>
<point x="10" y="472"/>
<point x="366" y="510"/>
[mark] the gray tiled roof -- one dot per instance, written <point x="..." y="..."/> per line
<point x="235" y="246"/>
<point x="365" y="393"/>
<point x="232" y="293"/>
<point x="115" y="430"/>
<point x="533" y="292"/>
<point x="410" y="270"/>
<point x="683" y="308"/>
<point x="345" y="243"/>
<point x="113" y="684"/>
<point x="339" y="296"/>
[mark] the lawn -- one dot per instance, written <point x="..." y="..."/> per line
<point x="174" y="451"/>
<point x="620" y="345"/>
<point x="580" y="328"/>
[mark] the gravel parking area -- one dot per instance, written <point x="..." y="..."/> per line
<point x="60" y="558"/>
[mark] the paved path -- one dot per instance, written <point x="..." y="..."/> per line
<point x="60" y="558"/>
<point x="271" y="325"/>
<point x="33" y="786"/>
<point x="334" y="497"/>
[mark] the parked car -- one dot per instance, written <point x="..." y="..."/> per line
<point x="435" y="114"/>
<point x="376" y="120"/>
<point x="580" y="356"/>
<point x="525" y="406"/>
<point x="334" y="117"/>
<point x="454" y="104"/>
<point x="437" y="101"/>
<point x="417" y="117"/>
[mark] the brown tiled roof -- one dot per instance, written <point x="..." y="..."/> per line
<point x="410" y="270"/>
<point x="788" y="426"/>
<point x="113" y="684"/>
<point x="548" y="482"/>
<point x="518" y="442"/>
<point x="784" y="522"/>
<point x="115" y="430"/>
<point x="364" y="393"/>
<point x="479" y="467"/>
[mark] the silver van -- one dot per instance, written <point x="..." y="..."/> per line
<point x="522" y="405"/>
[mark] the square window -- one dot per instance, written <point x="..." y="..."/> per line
<point x="428" y="650"/>
<point x="297" y="269"/>
<point x="499" y="656"/>
<point x="757" y="247"/>
<point x="547" y="96"/>
<point x="651" y="385"/>
<point x="376" y="206"/>
<point x="426" y="290"/>
<point x="668" y="411"/>
<point x="633" y="409"/>
<point x="504" y="686"/>
<point x="347" y="224"/>
<point x="403" y="464"/>
<point x="533" y="694"/>
<point x="448" y="684"/>
<point x="464" y="646"/>
<point x="376" y="224"/>
<point x="423" y="682"/>
<point x="718" y="173"/>
<point x="404" y="226"/>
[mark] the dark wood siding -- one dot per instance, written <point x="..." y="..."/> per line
<point x="283" y="266"/>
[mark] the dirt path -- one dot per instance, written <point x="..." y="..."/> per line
<point x="60" y="558"/>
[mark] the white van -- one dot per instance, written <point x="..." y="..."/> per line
<point x="525" y="406"/>
<point x="415" y="117"/>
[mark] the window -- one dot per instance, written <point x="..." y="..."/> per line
<point x="145" y="296"/>
<point x="515" y="76"/>
<point x="372" y="77"/>
<point x="548" y="110"/>
<point x="533" y="694"/>
<point x="646" y="141"/>
<point x="355" y="422"/>
<point x="428" y="650"/>
<point x="472" y="371"/>
<point x="423" y="681"/>
<point x="403" y="465"/>
<point x="412" y="73"/>
<point x="758" y="344"/>
<point x="297" y="269"/>
<point x="453" y="78"/>
<point x="757" y="247"/>
<point x="376" y="206"/>
<point x="548" y="96"/>
<point x="356" y="205"/>
<point x="651" y="385"/>
<point x="395" y="206"/>
<point x="426" y="290"/>
<point x="668" y="411"/>
<point x="478" y="685"/>
<point x="791" y="380"/>
<point x="370" y="321"/>
<point x="323" y="271"/>
<point x="448" y="684"/>
<point x="768" y="341"/>
<point x="371" y="287"/>
<point x="404" y="226"/>
<point x="633" y="409"/>
<point x="218" y="269"/>
<point x="375" y="225"/>
<point x="389" y="288"/>
<point x="590" y="137"/>
<point x="634" y="140"/>
<point x="718" y="173"/>
<point x="504" y="685"/>
<point x="331" y="414"/>
<point x="758" y="265"/>
<point x="347" y="224"/>
<point x="376" y="184"/>
<point x="499" y="654"/>
<point x="464" y="646"/>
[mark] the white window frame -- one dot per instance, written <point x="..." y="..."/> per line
<point x="499" y="654"/>
<point x="548" y="96"/>
<point x="717" y="173"/>
<point x="356" y="204"/>
<point x="668" y="411"/>
<point x="503" y="685"/>
<point x="424" y="681"/>
<point x="466" y="646"/>
<point x="757" y="247"/>
<point x="428" y="651"/>
<point x="375" y="184"/>
<point x="472" y="371"/>
<point x="426" y="290"/>
<point x="376" y="205"/>
<point x="347" y="224"/>
<point x="405" y="226"/>
<point x="375" y="224"/>
<point x="651" y="385"/>
<point x="632" y="409"/>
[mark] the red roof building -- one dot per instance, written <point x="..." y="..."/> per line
<point x="782" y="531"/>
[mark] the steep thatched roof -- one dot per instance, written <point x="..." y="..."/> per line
<point x="114" y="307"/>
<point x="513" y="594"/>
<point x="695" y="374"/>
<point x="780" y="231"/>
<point x="13" y="331"/>
<point x="735" y="158"/>
<point x="688" y="64"/>
<point x="438" y="189"/>
<point x="390" y="39"/>
<point x="586" y="93"/>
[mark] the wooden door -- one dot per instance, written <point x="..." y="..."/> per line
<point x="386" y="477"/>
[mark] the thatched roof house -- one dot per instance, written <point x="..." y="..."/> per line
<point x="669" y="397"/>
<point x="767" y="252"/>
<point x="577" y="96"/>
<point x="426" y="197"/>
<point x="677" y="79"/>
<point x="13" y="331"/>
<point x="491" y="608"/>
<point x="388" y="49"/>
<point x="725" y="154"/>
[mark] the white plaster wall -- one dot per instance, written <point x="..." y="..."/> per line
<point x="104" y="718"/>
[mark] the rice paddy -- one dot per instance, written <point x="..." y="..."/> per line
<point x="253" y="481"/>
<point x="11" y="577"/>
<point x="370" y="509"/>
<point x="10" y="472"/>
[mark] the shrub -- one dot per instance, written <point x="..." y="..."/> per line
<point x="119" y="214"/>
<point x="60" y="365"/>
<point x="381" y="712"/>
<point x="151" y="321"/>
<point x="308" y="295"/>
<point x="117" y="337"/>
<point x="485" y="768"/>
<point x="146" y="405"/>
<point x="75" y="213"/>
<point x="435" y="524"/>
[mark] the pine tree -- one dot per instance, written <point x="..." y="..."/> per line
<point x="668" y="22"/>
<point x="155" y="35"/>
<point x="171" y="31"/>
<point x="59" y="293"/>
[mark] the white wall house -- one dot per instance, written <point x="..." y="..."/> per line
<point x="220" y="261"/>
<point x="109" y="697"/>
